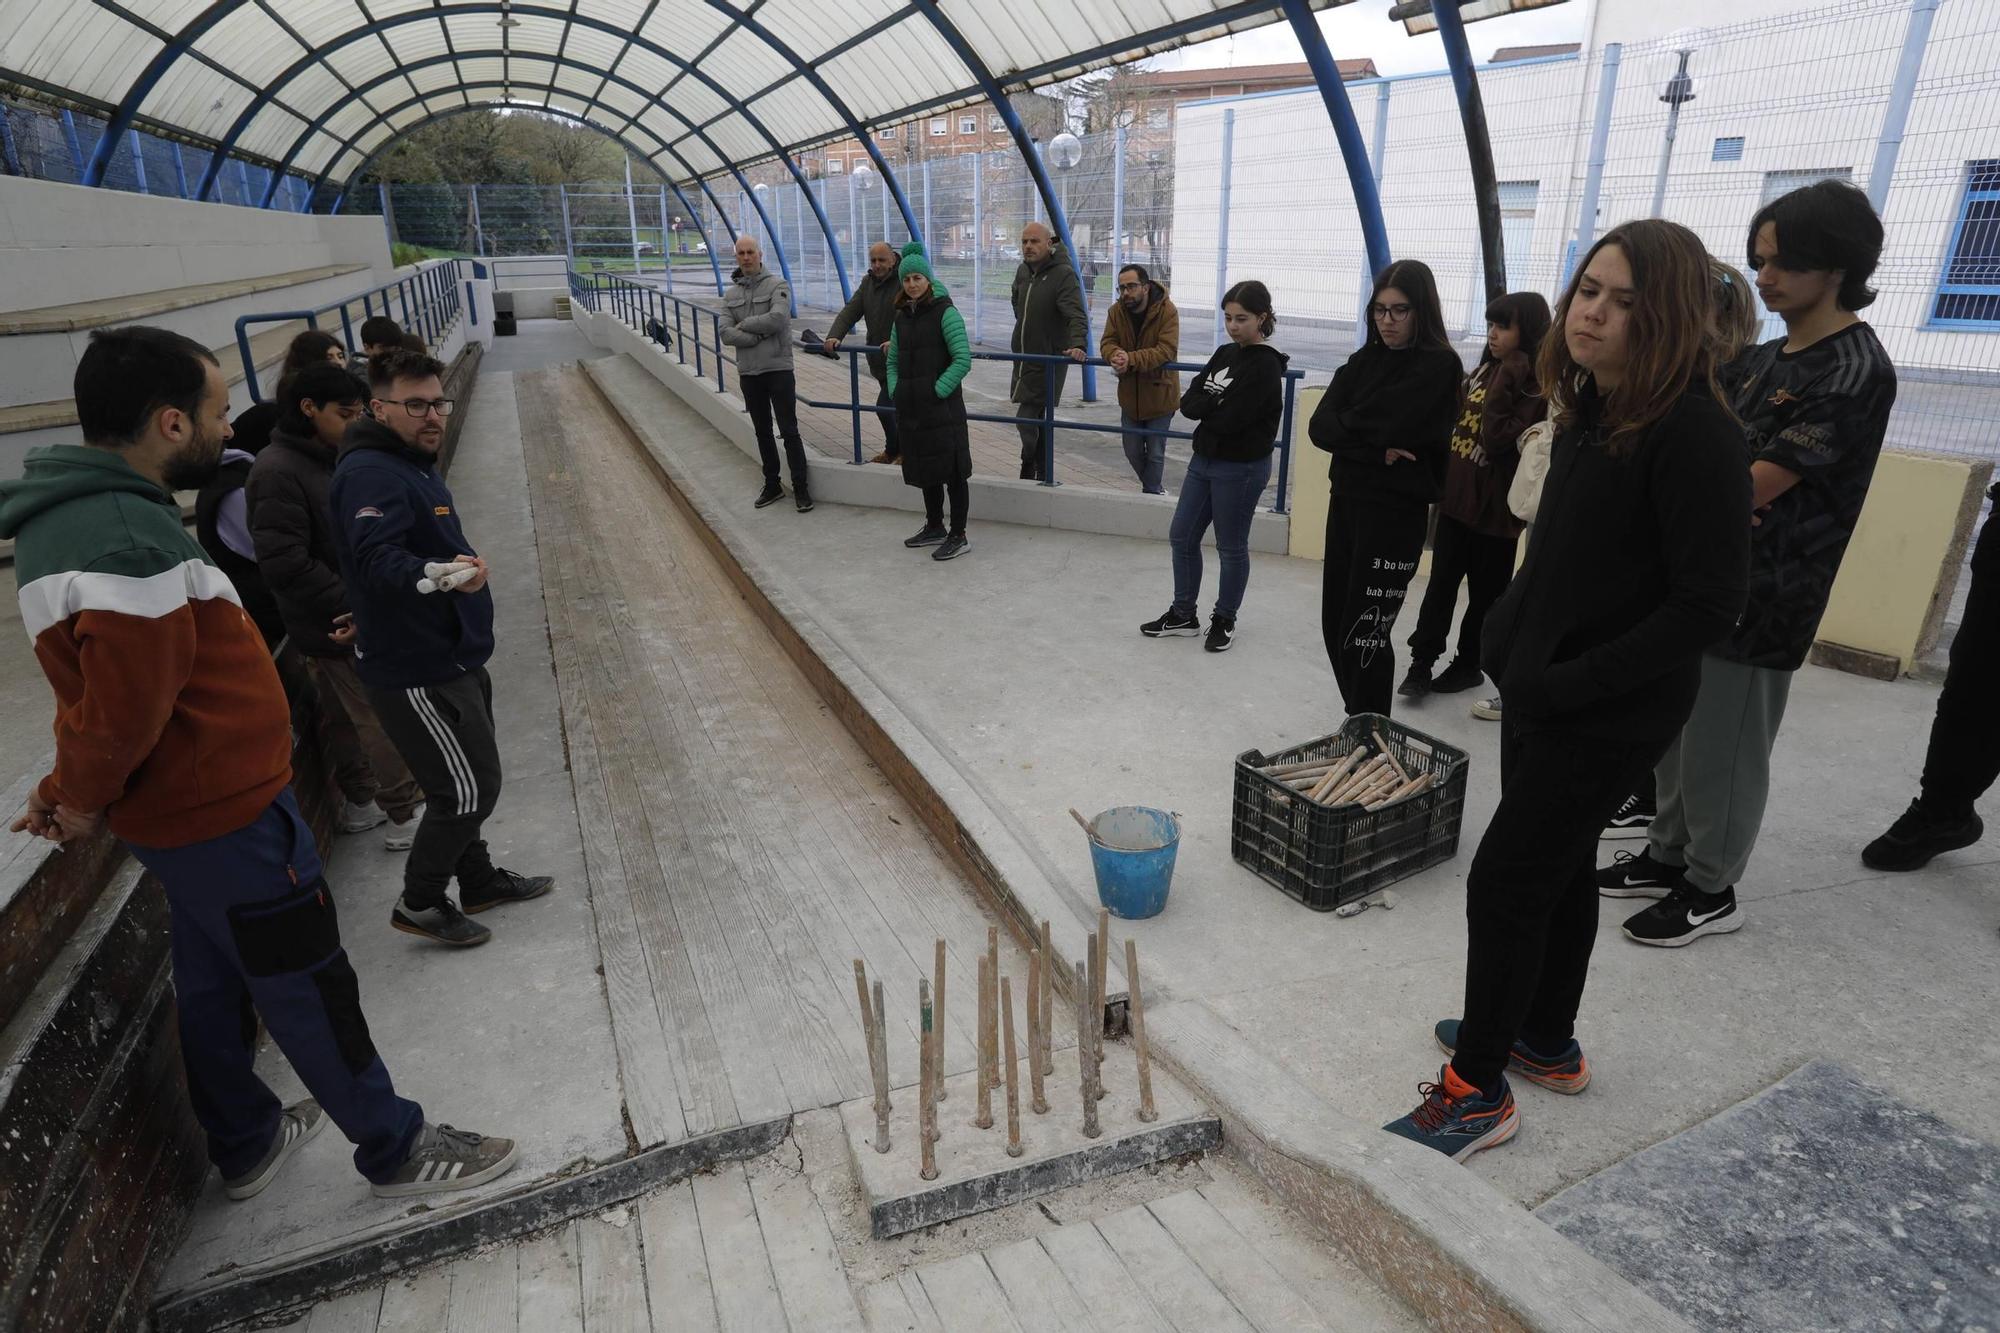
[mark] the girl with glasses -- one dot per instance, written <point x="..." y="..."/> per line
<point x="1386" y="419"/>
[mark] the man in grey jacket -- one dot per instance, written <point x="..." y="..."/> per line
<point x="873" y="306"/>
<point x="757" y="322"/>
<point x="1049" y="319"/>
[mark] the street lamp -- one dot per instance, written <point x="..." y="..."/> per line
<point x="1065" y="151"/>
<point x="1679" y="91"/>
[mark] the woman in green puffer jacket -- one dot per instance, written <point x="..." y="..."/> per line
<point x="929" y="356"/>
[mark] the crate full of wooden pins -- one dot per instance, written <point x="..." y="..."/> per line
<point x="1338" y="818"/>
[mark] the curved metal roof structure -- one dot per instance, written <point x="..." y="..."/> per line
<point x="698" y="87"/>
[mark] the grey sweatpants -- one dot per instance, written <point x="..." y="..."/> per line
<point x="1715" y="778"/>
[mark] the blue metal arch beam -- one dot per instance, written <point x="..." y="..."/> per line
<point x="1346" y="131"/>
<point x="360" y="94"/>
<point x="1012" y="119"/>
<point x="149" y="79"/>
<point x="750" y="25"/>
<point x="442" y="11"/>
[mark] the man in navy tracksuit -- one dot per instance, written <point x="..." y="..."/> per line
<point x="422" y="654"/>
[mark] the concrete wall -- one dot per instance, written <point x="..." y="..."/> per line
<point x="61" y="244"/>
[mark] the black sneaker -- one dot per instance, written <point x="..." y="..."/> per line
<point x="1632" y="819"/>
<point x="444" y="1159"/>
<point x="1221" y="633"/>
<point x="443" y="923"/>
<point x="1917" y="836"/>
<point x="1460" y="676"/>
<point x="1684" y="916"/>
<point x="505" y="887"/>
<point x="770" y="495"/>
<point x="926" y="536"/>
<point x="1171" y="625"/>
<point x="1637" y="875"/>
<point x="299" y="1123"/>
<point x="952" y="547"/>
<point x="1417" y="683"/>
<point x="803" y="499"/>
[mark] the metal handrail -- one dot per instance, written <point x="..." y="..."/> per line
<point x="429" y="301"/>
<point x="633" y="302"/>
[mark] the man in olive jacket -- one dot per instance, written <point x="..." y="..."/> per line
<point x="1142" y="336"/>
<point x="873" y="306"/>
<point x="1049" y="319"/>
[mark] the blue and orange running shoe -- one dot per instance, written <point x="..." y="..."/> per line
<point x="1567" y="1073"/>
<point x="1455" y="1120"/>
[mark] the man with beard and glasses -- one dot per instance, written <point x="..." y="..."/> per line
<point x="171" y="725"/>
<point x="1142" y="337"/>
<point x="423" y="618"/>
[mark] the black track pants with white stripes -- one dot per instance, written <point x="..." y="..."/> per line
<point x="445" y="735"/>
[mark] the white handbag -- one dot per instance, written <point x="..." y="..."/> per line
<point x="1524" y="496"/>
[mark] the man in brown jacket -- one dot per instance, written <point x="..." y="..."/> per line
<point x="1142" y="336"/>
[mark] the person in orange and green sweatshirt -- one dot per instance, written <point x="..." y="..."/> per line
<point x="171" y="725"/>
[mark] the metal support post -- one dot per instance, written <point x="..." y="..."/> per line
<point x="388" y="226"/>
<point x="243" y="178"/>
<point x="1679" y="90"/>
<point x="181" y="171"/>
<point x="1593" y="173"/>
<point x="978" y="246"/>
<point x="75" y="147"/>
<point x="1346" y="131"/>
<point x="632" y="217"/>
<point x="1916" y="37"/>
<point x="1117" y="208"/>
<point x="927" y="202"/>
<point x="854" y="221"/>
<point x="10" y="152"/>
<point x="138" y="160"/>
<point x="667" y="242"/>
<point x="1478" y="145"/>
<point x="1222" y="218"/>
<point x="478" y="227"/>
<point x="569" y="242"/>
<point x="1378" y="152"/>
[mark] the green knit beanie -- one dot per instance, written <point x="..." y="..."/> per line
<point x="915" y="262"/>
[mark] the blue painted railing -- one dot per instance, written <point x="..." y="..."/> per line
<point x="635" y="303"/>
<point x="426" y="302"/>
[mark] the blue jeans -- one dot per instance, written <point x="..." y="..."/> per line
<point x="1225" y="494"/>
<point x="255" y="933"/>
<point x="1146" y="449"/>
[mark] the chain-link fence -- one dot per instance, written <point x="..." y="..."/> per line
<point x="57" y="145"/>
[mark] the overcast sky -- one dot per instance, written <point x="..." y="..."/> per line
<point x="1363" y="29"/>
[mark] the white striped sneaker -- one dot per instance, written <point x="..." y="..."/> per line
<point x="298" y="1124"/>
<point x="402" y="836"/>
<point x="448" y="1159"/>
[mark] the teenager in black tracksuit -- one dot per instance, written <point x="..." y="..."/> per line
<point x="1638" y="560"/>
<point x="1238" y="404"/>
<point x="1386" y="419"/>
<point x="1476" y="533"/>
<point x="423" y="655"/>
<point x="929" y="357"/>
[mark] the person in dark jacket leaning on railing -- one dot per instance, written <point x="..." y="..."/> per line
<point x="873" y="306"/>
<point x="1386" y="419"/>
<point x="1237" y="403"/>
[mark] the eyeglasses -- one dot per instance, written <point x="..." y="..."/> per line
<point x="1130" y="286"/>
<point x="1380" y="311"/>
<point x="423" y="407"/>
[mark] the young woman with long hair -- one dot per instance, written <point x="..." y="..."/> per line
<point x="1386" y="419"/>
<point x="1237" y="403"/>
<point x="1476" y="533"/>
<point x="1637" y="562"/>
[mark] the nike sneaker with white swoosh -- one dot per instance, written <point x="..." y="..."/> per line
<point x="1684" y="916"/>
<point x="1637" y="875"/>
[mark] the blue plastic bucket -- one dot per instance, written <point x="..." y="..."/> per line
<point x="1132" y="849"/>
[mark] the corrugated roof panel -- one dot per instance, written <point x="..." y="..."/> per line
<point x="795" y="112"/>
<point x="271" y="133"/>
<point x="745" y="63"/>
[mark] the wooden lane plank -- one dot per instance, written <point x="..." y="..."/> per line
<point x="1100" y="1281"/>
<point x="746" y="1292"/>
<point x="1039" y="1295"/>
<point x="1176" y="1284"/>
<point x="550" y="1285"/>
<point x="717" y="1061"/>
<point x="885" y="1309"/>
<point x="922" y="1312"/>
<point x="1235" y="1265"/>
<point x="356" y="1312"/>
<point x="756" y="949"/>
<point x="483" y="1293"/>
<point x="804" y="1259"/>
<point x="677" y="1285"/>
<point x="416" y="1305"/>
<point x="657" y="1086"/>
<point x="614" y="1279"/>
<point x="1307" y="1265"/>
<point x="966" y="1295"/>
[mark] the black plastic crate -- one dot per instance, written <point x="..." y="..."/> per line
<point x="1325" y="857"/>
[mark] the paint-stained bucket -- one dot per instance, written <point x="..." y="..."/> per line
<point x="1132" y="849"/>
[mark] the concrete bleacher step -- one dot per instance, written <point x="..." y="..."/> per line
<point x="125" y="309"/>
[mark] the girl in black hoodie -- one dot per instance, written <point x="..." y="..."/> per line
<point x="1386" y="419"/>
<point x="1237" y="403"/>
<point x="1638" y="560"/>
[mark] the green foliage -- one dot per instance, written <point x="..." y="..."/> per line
<point x="401" y="254"/>
<point x="491" y="146"/>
